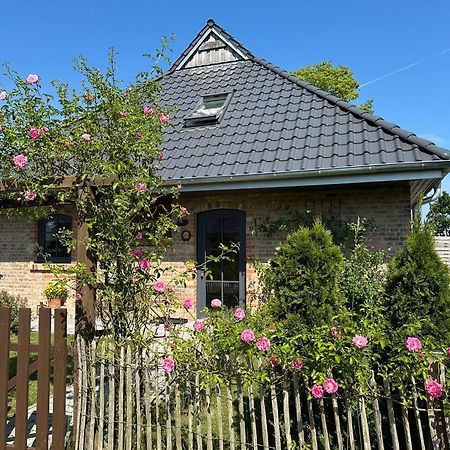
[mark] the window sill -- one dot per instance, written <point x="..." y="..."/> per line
<point x="42" y="267"/>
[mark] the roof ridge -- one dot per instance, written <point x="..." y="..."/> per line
<point x="390" y="127"/>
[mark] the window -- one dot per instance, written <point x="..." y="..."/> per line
<point x="208" y="111"/>
<point x="50" y="248"/>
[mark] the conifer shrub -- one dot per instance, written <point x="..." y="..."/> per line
<point x="303" y="279"/>
<point x="418" y="287"/>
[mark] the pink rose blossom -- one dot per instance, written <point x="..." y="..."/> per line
<point x="32" y="78"/>
<point x="137" y="252"/>
<point x="86" y="137"/>
<point x="123" y="114"/>
<point x="148" y="111"/>
<point x="144" y="264"/>
<point x="141" y="188"/>
<point x="216" y="303"/>
<point x="159" y="286"/>
<point x="448" y="352"/>
<point x="168" y="364"/>
<point x="163" y="118"/>
<point x="317" y="391"/>
<point x="360" y="341"/>
<point x="88" y="97"/>
<point x="413" y="344"/>
<point x="139" y="235"/>
<point x="29" y="196"/>
<point x="297" y="363"/>
<point x="188" y="303"/>
<point x="160" y="156"/>
<point x="274" y="361"/>
<point x="20" y="161"/>
<point x="239" y="314"/>
<point x="3" y="95"/>
<point x="44" y="129"/>
<point x="138" y="134"/>
<point x="78" y="297"/>
<point x="433" y="388"/>
<point x="330" y="385"/>
<point x="198" y="325"/>
<point x="247" y="336"/>
<point x="185" y="211"/>
<point x="263" y="344"/>
<point x="34" y="133"/>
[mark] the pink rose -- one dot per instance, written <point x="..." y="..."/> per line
<point x="448" y="352"/>
<point x="139" y="235"/>
<point x="160" y="156"/>
<point x="185" y="211"/>
<point x="317" y="391"/>
<point x="433" y="388"/>
<point x="29" y="196"/>
<point x="144" y="264"/>
<point x="138" y="134"/>
<point x="413" y="344"/>
<point x="86" y="137"/>
<point x="263" y="344"/>
<point x="247" y="336"/>
<point x="123" y="114"/>
<point x="141" y="188"/>
<point x="78" y="297"/>
<point x="33" y="133"/>
<point x="137" y="252"/>
<point x="168" y="364"/>
<point x="148" y="111"/>
<point x="239" y="314"/>
<point x="274" y="361"/>
<point x="297" y="363"/>
<point x="330" y="385"/>
<point x="44" y="129"/>
<point x="20" y="161"/>
<point x="198" y="325"/>
<point x="216" y="303"/>
<point x="360" y="341"/>
<point x="163" y="118"/>
<point x="159" y="286"/>
<point x="3" y="95"/>
<point x="32" y="78"/>
<point x="88" y="97"/>
<point x="188" y="303"/>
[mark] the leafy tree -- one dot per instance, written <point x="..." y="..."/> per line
<point x="337" y="80"/>
<point x="439" y="215"/>
<point x="418" y="287"/>
<point x="303" y="279"/>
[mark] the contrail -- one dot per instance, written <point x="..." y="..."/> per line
<point x="404" y="68"/>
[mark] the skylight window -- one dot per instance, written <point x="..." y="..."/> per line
<point x="208" y="111"/>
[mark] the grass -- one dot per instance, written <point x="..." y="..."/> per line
<point x="32" y="382"/>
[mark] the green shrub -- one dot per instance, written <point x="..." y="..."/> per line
<point x="418" y="287"/>
<point x="303" y="279"/>
<point x="14" y="302"/>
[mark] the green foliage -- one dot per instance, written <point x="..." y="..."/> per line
<point x="337" y="80"/>
<point x="15" y="302"/>
<point x="303" y="279"/>
<point x="418" y="287"/>
<point x="439" y="215"/>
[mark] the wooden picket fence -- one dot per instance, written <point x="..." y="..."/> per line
<point x="46" y="353"/>
<point x="126" y="402"/>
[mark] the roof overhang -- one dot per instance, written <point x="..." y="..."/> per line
<point x="341" y="176"/>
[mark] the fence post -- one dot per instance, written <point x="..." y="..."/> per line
<point x="5" y="320"/>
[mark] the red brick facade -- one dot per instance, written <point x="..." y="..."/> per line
<point x="387" y="206"/>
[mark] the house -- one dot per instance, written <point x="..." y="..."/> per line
<point x="245" y="139"/>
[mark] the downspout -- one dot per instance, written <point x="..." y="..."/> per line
<point x="430" y="199"/>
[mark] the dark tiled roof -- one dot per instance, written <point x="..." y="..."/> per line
<point x="276" y="123"/>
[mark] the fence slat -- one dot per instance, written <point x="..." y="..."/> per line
<point x="178" y="442"/>
<point x="168" y="413"/>
<point x="391" y="416"/>
<point x="376" y="412"/>
<point x="298" y="412"/>
<point x="417" y="414"/>
<point x="147" y="402"/>
<point x="111" y="397"/>
<point x="337" y="422"/>
<point x="433" y="425"/>
<point x="265" y="432"/>
<point x="190" y="416"/>
<point x="351" y="436"/>
<point x="230" y="417"/>
<point x="23" y="349"/>
<point x="364" y="423"/>
<point x="209" y="441"/>
<point x="138" y="403"/>
<point x="198" y="421"/>
<point x="129" y="401"/>
<point x="405" y="422"/>
<point x="251" y="401"/>
<point x="323" y="420"/>
<point x="5" y="321"/>
<point x="121" y="398"/>
<point x="92" y="388"/>
<point x="287" y="417"/>
<point x="276" y="420"/>
<point x="242" y="433"/>
<point x="219" y="415"/>
<point x="312" y="424"/>
<point x="157" y="416"/>
<point x="43" y="380"/>
<point x="82" y="390"/>
<point x="101" y="420"/>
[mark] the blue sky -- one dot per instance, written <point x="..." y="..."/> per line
<point x="374" y="38"/>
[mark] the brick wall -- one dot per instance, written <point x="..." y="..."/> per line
<point x="388" y="207"/>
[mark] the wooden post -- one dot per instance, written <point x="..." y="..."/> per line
<point x="391" y="415"/>
<point x="5" y="321"/>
